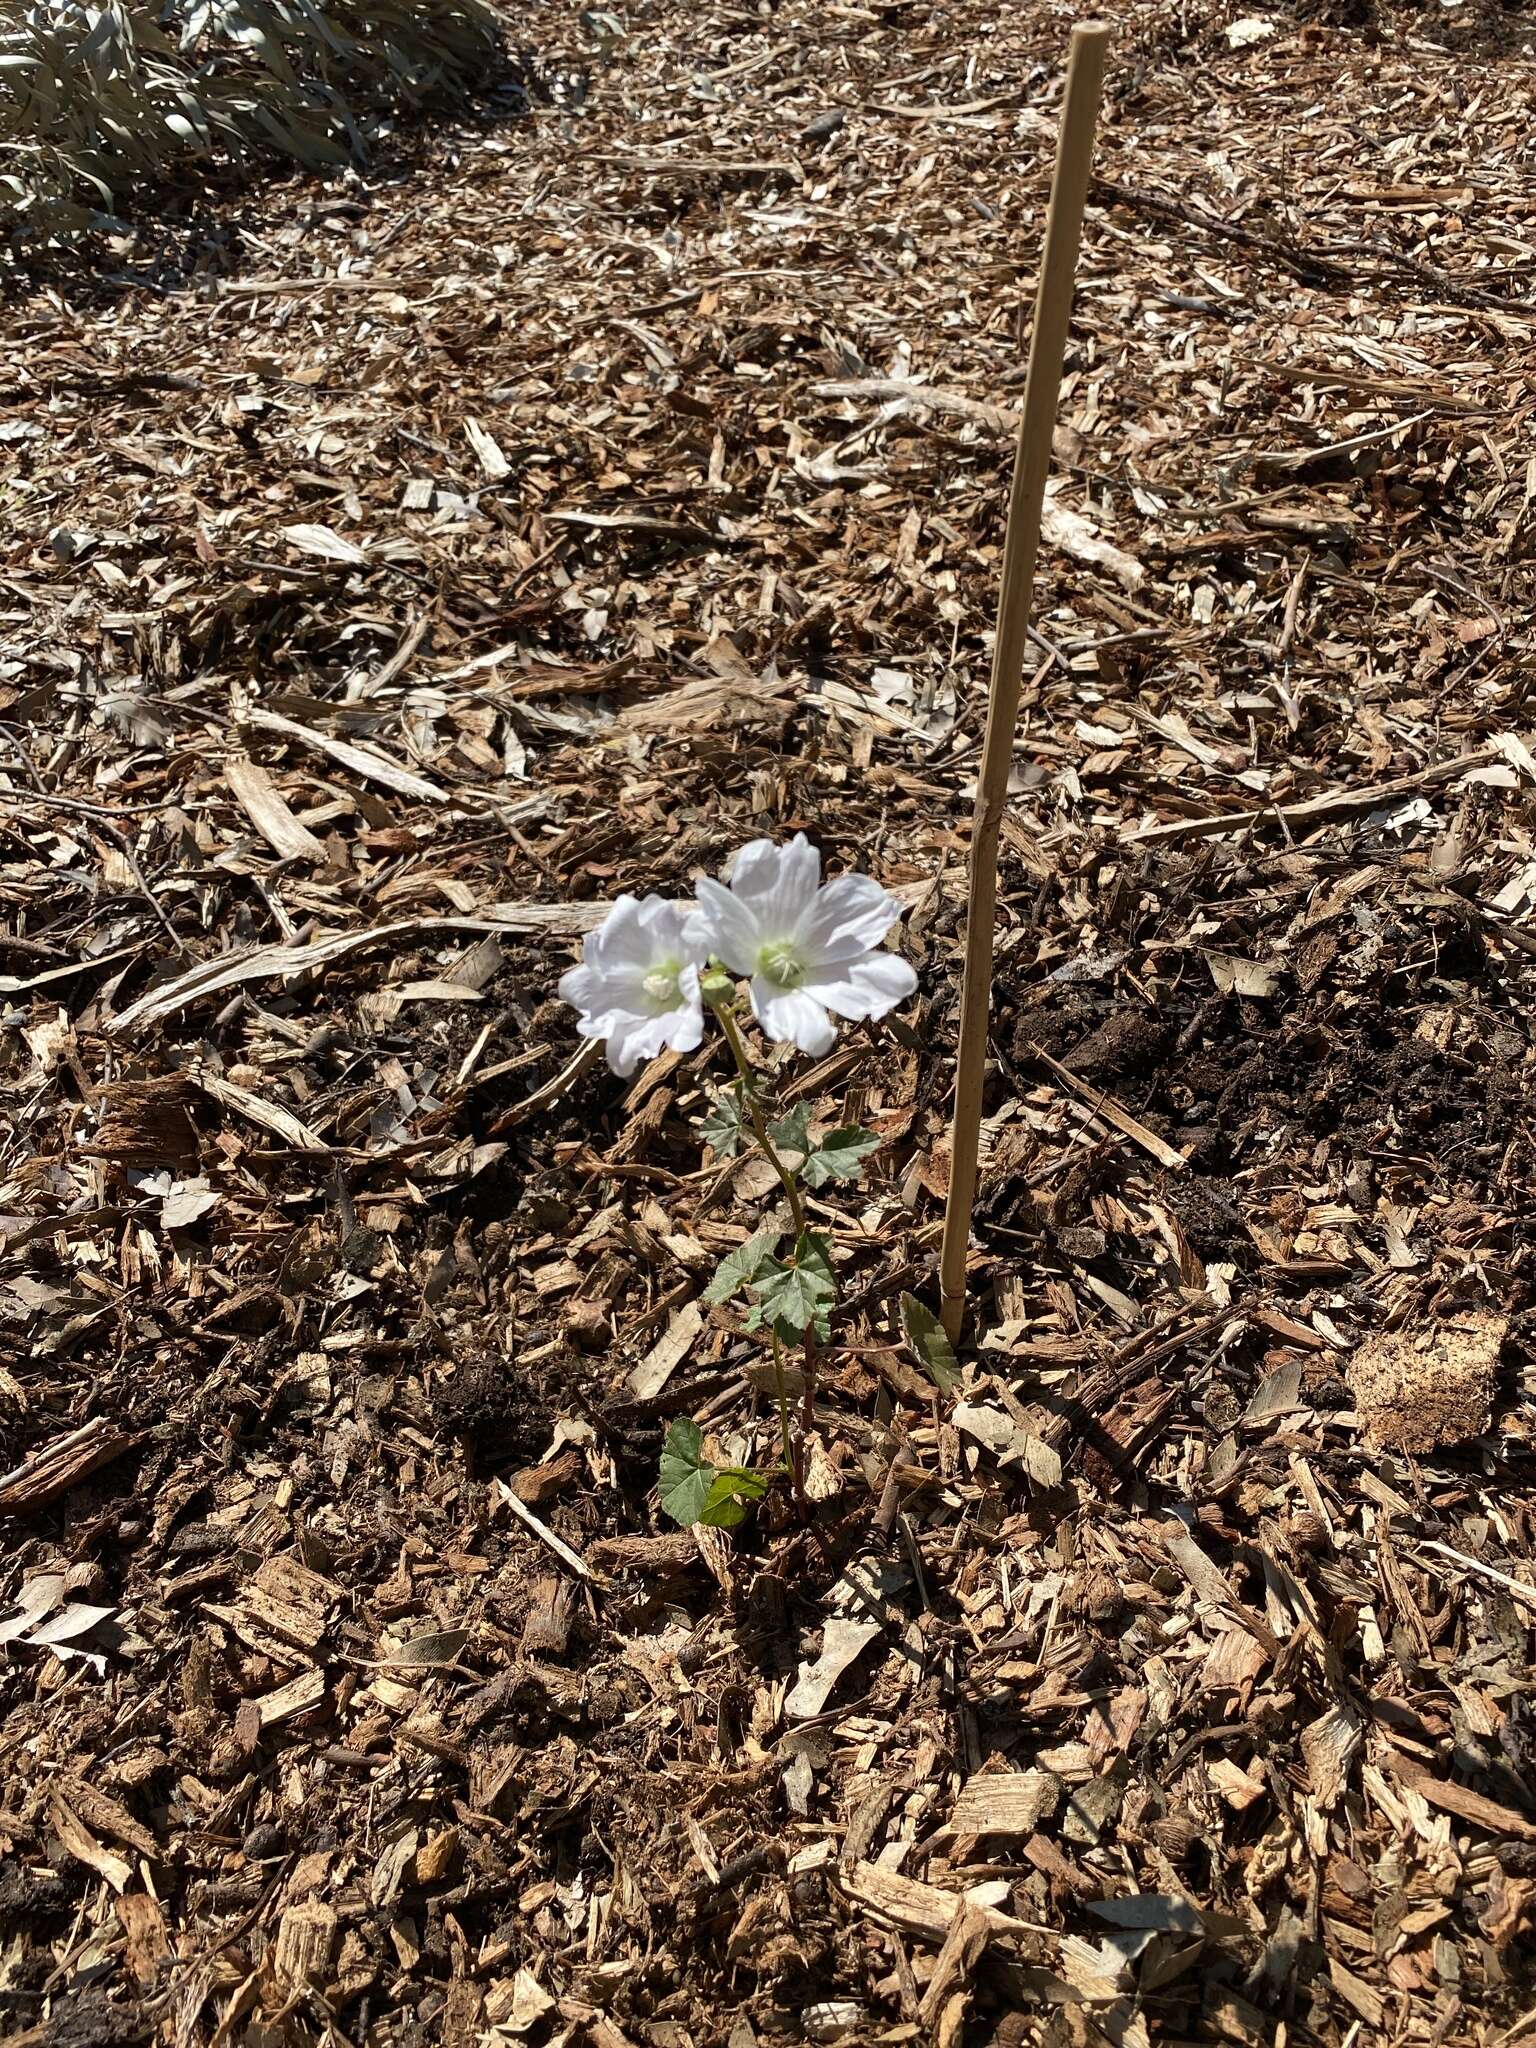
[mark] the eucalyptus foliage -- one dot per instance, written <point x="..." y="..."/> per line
<point x="101" y="99"/>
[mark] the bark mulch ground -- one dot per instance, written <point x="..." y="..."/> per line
<point x="397" y="568"/>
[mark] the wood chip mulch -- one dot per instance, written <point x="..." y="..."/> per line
<point x="399" y="567"/>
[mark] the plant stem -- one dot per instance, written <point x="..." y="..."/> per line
<point x="783" y="1393"/>
<point x="755" y="1118"/>
<point x="794" y="1454"/>
<point x="808" y="1397"/>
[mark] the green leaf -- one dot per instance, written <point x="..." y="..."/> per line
<point x="926" y="1334"/>
<point x="722" y="1510"/>
<point x="839" y="1156"/>
<point x="723" y="1130"/>
<point x="766" y="1275"/>
<point x="732" y="1488"/>
<point x="792" y="1133"/>
<point x="742" y="1266"/>
<point x="796" y="1297"/>
<point x="693" y="1490"/>
<point x="814" y="1254"/>
<point x="687" y="1480"/>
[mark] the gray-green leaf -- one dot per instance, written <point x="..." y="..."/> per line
<point x="797" y="1297"/>
<point x="791" y="1133"/>
<point x="839" y="1156"/>
<point x="738" y="1268"/>
<point x="723" y="1130"/>
<point x="926" y="1334"/>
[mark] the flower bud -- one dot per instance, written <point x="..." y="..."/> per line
<point x="716" y="987"/>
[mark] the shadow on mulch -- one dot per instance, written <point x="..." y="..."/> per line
<point x="1381" y="1045"/>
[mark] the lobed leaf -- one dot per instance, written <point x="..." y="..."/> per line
<point x="724" y="1130"/>
<point x="796" y="1296"/>
<point x="733" y="1488"/>
<point x="791" y="1133"/>
<point x="694" y="1491"/>
<point x="686" y="1479"/>
<point x="741" y="1267"/>
<point x="839" y="1156"/>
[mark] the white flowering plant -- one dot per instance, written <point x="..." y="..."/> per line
<point x="811" y="952"/>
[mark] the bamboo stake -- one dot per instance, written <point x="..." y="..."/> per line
<point x="1053" y="310"/>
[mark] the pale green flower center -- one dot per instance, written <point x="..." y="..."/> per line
<point x="780" y="962"/>
<point x="661" y="987"/>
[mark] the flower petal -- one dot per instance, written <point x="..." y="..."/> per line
<point x="849" y="916"/>
<point x="668" y="926"/>
<point x="755" y="869"/>
<point x="634" y="1039"/>
<point x="688" y="989"/>
<point x="638" y="1038"/>
<point x="583" y="987"/>
<point x="863" y="988"/>
<point x="604" y="992"/>
<point x="687" y="1027"/>
<point x="727" y="927"/>
<point x="621" y="940"/>
<point x="793" y="1016"/>
<point x="576" y="986"/>
<point x="778" y="883"/>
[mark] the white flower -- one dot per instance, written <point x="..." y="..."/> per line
<point x="637" y="987"/>
<point x="808" y="948"/>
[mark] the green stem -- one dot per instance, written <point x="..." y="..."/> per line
<point x="755" y="1118"/>
<point x="794" y="1454"/>
<point x="791" y="1461"/>
<point x="808" y="1398"/>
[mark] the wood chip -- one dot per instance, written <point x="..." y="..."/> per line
<point x="1419" y="1389"/>
<point x="657" y="1367"/>
<point x="1461" y="1800"/>
<point x="55" y="1468"/>
<point x="922" y="1909"/>
<point x="304" y="1946"/>
<point x="258" y="796"/>
<point x="1005" y="1803"/>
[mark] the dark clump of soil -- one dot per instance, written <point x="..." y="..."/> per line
<point x="1130" y="1043"/>
<point x="498" y="1414"/>
<point x="91" y="2020"/>
<point x="33" y="1898"/>
<point x="1208" y="1212"/>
